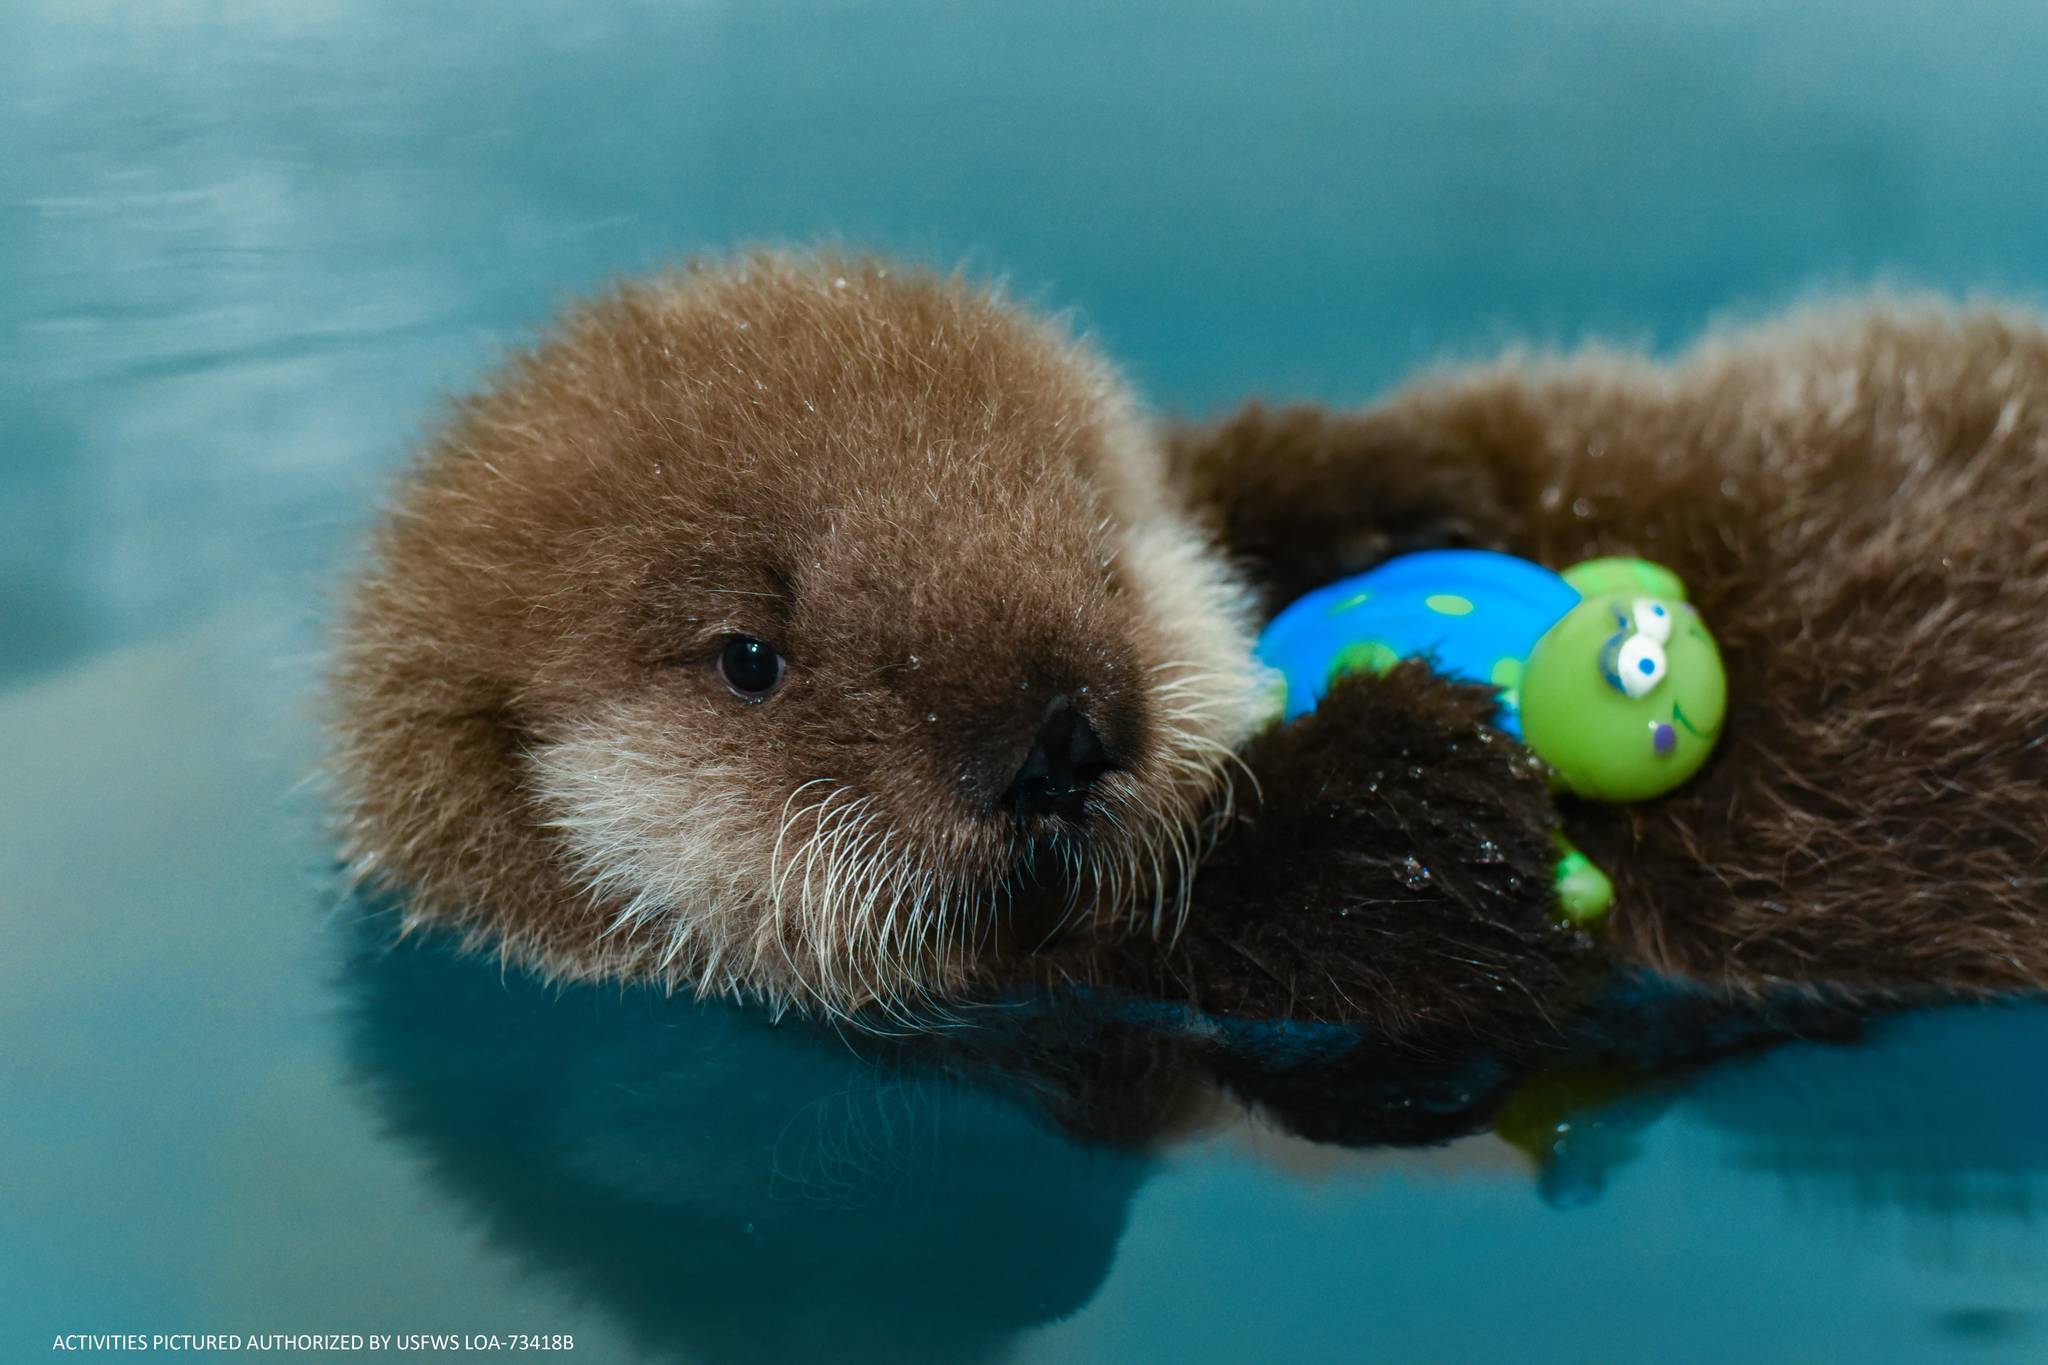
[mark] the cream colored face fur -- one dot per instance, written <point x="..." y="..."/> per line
<point x="943" y="514"/>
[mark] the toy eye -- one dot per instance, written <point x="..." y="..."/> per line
<point x="1653" y="618"/>
<point x="750" y="668"/>
<point x="1638" y="666"/>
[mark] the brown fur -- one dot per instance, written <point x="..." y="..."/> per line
<point x="941" y="510"/>
<point x="1858" y="500"/>
<point x="1396" y="876"/>
<point x="945" y="510"/>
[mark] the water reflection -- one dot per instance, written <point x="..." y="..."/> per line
<point x="1937" y="1117"/>
<point x="728" y="1189"/>
<point x="731" y="1189"/>
<point x="1942" y="1118"/>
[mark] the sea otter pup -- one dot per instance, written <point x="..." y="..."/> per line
<point x="799" y="626"/>
<point x="841" y="634"/>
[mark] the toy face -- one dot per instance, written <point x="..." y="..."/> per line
<point x="1625" y="696"/>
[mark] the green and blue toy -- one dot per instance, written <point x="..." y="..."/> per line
<point x="1605" y="671"/>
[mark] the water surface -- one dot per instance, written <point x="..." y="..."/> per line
<point x="243" y="250"/>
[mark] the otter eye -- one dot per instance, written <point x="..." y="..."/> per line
<point x="750" y="668"/>
<point x="1653" y="618"/>
<point x="1638" y="666"/>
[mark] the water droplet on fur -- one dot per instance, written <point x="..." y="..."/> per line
<point x="1489" y="852"/>
<point x="931" y="718"/>
<point x="839" y="281"/>
<point x="1729" y="488"/>
<point x="1581" y="508"/>
<point x="1553" y="498"/>
<point x="912" y="662"/>
<point x="1414" y="875"/>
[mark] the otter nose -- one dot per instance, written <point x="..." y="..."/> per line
<point x="1064" y="762"/>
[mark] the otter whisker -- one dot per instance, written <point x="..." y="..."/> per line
<point x="825" y="829"/>
<point x="780" y="872"/>
<point x="878" y="879"/>
<point x="1076" y="874"/>
<point x="783" y="822"/>
<point x="822" y="908"/>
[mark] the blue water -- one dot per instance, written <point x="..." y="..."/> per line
<point x="243" y="251"/>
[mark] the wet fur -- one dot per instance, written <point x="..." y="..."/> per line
<point x="1396" y="877"/>
<point x="941" y="509"/>
<point x="951" y="508"/>
<point x="1858" y="499"/>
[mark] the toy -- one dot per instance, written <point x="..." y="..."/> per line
<point x="1605" y="671"/>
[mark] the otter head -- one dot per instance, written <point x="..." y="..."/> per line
<point x="798" y="627"/>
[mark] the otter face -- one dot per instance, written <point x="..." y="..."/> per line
<point x="801" y="629"/>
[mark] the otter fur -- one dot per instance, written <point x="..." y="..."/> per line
<point x="1010" y="625"/>
<point x="1857" y="499"/>
<point x="949" y="529"/>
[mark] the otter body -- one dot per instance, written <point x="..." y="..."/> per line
<point x="842" y="635"/>
<point x="1860" y="497"/>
